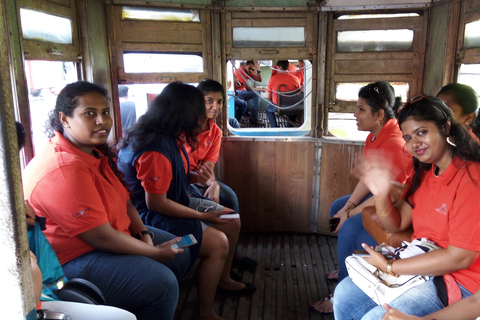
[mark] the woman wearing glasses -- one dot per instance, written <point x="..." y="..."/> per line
<point x="442" y="200"/>
<point x="375" y="113"/>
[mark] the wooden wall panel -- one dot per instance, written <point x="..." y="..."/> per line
<point x="273" y="181"/>
<point x="336" y="180"/>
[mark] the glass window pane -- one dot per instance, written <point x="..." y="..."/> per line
<point x="162" y="62"/>
<point x="469" y="74"/>
<point x="377" y="16"/>
<point x="349" y="91"/>
<point x="45" y="79"/>
<point x="41" y="26"/>
<point x="343" y="125"/>
<point x="250" y="37"/>
<point x="375" y="40"/>
<point x="472" y="34"/>
<point x="160" y="14"/>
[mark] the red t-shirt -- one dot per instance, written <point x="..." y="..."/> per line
<point x="291" y="68"/>
<point x="242" y="76"/>
<point x="391" y="144"/>
<point x="282" y="78"/>
<point x="446" y="210"/>
<point x="76" y="192"/>
<point x="155" y="171"/>
<point x="208" y="148"/>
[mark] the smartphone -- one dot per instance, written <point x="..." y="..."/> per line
<point x="334" y="223"/>
<point x="185" y="241"/>
<point x="230" y="215"/>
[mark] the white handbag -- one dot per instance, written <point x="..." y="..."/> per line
<point x="380" y="287"/>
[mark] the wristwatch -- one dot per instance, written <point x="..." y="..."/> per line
<point x="144" y="232"/>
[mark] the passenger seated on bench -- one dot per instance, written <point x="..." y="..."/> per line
<point x="91" y="224"/>
<point x="205" y="156"/>
<point x="463" y="100"/>
<point x="77" y="311"/>
<point x="155" y="164"/>
<point x="442" y="200"/>
<point x="251" y="69"/>
<point x="375" y="113"/>
<point x="281" y="78"/>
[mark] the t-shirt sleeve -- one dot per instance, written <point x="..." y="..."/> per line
<point x="154" y="171"/>
<point x="213" y="152"/>
<point x="464" y="220"/>
<point x="70" y="198"/>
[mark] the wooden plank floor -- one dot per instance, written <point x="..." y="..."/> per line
<point x="289" y="277"/>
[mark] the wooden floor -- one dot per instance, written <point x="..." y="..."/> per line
<point x="289" y="277"/>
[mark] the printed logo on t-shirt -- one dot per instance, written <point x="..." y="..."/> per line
<point x="443" y="209"/>
<point x="153" y="179"/>
<point x="208" y="143"/>
<point x="81" y="213"/>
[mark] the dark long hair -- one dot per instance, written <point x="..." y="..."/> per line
<point x="466" y="97"/>
<point x="177" y="111"/>
<point x="427" y="108"/>
<point x="381" y="95"/>
<point x="67" y="101"/>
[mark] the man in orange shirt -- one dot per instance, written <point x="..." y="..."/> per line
<point x="244" y="91"/>
<point x="282" y="77"/>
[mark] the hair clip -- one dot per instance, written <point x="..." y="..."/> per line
<point x="376" y="89"/>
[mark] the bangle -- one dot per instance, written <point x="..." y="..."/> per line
<point x="348" y="213"/>
<point x="390" y="268"/>
<point x="385" y="212"/>
<point x="353" y="203"/>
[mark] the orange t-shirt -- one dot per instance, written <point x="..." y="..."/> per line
<point x="282" y="78"/>
<point x="76" y="192"/>
<point x="154" y="171"/>
<point x="208" y="148"/>
<point x="242" y="76"/>
<point x="445" y="210"/>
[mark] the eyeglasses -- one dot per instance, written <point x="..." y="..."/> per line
<point x="420" y="97"/>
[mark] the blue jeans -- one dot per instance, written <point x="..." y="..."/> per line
<point x="270" y="111"/>
<point x="351" y="302"/>
<point x="240" y="107"/>
<point x="250" y="95"/>
<point x="351" y="235"/>
<point x="143" y="286"/>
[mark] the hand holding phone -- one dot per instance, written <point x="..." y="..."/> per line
<point x="230" y="215"/>
<point x="185" y="241"/>
<point x="334" y="224"/>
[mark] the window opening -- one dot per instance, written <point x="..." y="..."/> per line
<point x="162" y="63"/>
<point x="41" y="26"/>
<point x="377" y="16"/>
<point x="292" y="104"/>
<point x="375" y="40"/>
<point x="140" y="13"/>
<point x="45" y="80"/>
<point x="472" y="34"/>
<point x="255" y="37"/>
<point x="469" y="74"/>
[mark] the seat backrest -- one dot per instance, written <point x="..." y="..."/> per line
<point x="378" y="232"/>
<point x="290" y="98"/>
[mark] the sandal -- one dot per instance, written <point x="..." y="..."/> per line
<point x="332" y="276"/>
<point x="328" y="299"/>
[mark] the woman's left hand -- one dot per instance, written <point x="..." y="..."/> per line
<point x="213" y="192"/>
<point x="205" y="174"/>
<point x="376" y="258"/>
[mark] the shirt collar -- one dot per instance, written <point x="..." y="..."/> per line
<point x="62" y="144"/>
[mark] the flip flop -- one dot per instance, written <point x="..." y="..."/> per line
<point x="332" y="279"/>
<point x="315" y="311"/>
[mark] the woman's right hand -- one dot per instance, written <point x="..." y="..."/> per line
<point x="166" y="252"/>
<point x="395" y="314"/>
<point x="214" y="217"/>
<point x="342" y="214"/>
